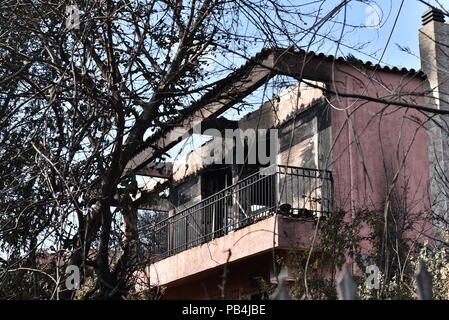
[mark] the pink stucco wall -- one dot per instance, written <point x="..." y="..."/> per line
<point x="274" y="232"/>
<point x="380" y="152"/>
<point x="243" y="278"/>
<point x="377" y="147"/>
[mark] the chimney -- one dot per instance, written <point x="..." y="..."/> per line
<point x="434" y="51"/>
<point x="432" y="15"/>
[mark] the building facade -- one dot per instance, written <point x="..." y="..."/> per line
<point x="346" y="138"/>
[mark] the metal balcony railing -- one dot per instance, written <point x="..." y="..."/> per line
<point x="288" y="190"/>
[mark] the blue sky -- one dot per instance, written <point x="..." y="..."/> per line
<point x="405" y="33"/>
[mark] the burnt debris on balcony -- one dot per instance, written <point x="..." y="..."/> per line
<point x="291" y="191"/>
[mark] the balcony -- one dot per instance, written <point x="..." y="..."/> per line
<point x="292" y="191"/>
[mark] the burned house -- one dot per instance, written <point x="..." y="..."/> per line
<point x="344" y="138"/>
<point x="242" y="174"/>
